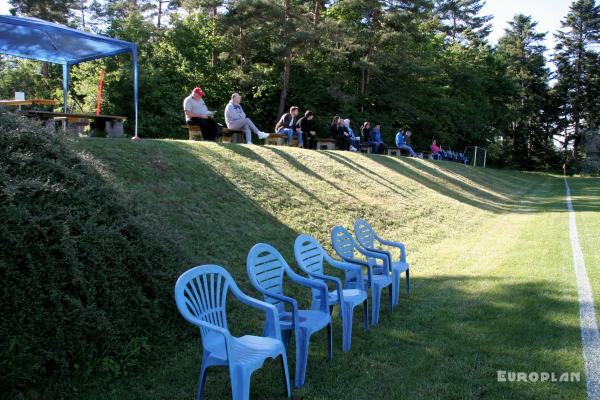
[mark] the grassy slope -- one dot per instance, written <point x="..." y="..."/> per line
<point x="494" y="287"/>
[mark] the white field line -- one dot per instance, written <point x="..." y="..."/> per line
<point x="587" y="313"/>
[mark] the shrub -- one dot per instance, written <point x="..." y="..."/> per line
<point x="83" y="281"/>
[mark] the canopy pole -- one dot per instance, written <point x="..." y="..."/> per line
<point x="134" y="55"/>
<point x="65" y="91"/>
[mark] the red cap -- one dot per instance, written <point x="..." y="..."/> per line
<point x="198" y="91"/>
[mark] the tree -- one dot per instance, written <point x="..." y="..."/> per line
<point x="462" y="21"/>
<point x="49" y="10"/>
<point x="523" y="53"/>
<point x="578" y="70"/>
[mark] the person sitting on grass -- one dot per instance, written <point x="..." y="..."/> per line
<point x="196" y="113"/>
<point x="401" y="145"/>
<point x="307" y="126"/>
<point x="287" y="125"/>
<point x="235" y="118"/>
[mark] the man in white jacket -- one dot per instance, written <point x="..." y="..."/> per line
<point x="235" y="118"/>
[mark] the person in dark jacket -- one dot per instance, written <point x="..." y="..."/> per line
<point x="287" y="125"/>
<point x="307" y="126"/>
<point x="333" y="132"/>
<point x="365" y="132"/>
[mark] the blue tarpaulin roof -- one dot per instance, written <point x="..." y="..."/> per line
<point x="45" y="41"/>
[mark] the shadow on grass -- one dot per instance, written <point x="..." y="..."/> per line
<point x="537" y="194"/>
<point x="349" y="163"/>
<point x="446" y="340"/>
<point x="296" y="164"/>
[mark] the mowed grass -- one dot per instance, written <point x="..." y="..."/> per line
<point x="493" y="282"/>
<point x="585" y="194"/>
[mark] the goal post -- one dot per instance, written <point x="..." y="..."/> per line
<point x="476" y="155"/>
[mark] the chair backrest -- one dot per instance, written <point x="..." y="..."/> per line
<point x="266" y="266"/>
<point x="309" y="254"/>
<point x="365" y="234"/>
<point x="201" y="294"/>
<point x="309" y="257"/>
<point x="342" y="242"/>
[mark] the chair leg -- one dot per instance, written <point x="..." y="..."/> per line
<point x="395" y="288"/>
<point x="347" y="327"/>
<point x="408" y="281"/>
<point x="286" y="375"/>
<point x="286" y="335"/>
<point x="391" y="293"/>
<point x="302" y="345"/>
<point x="366" y="314"/>
<point x="330" y="341"/>
<point x="240" y="383"/>
<point x="376" y="295"/>
<point x="201" y="381"/>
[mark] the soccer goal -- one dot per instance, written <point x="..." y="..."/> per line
<point x="476" y="155"/>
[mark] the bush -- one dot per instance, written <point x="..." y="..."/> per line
<point x="83" y="281"/>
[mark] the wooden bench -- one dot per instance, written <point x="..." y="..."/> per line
<point x="394" y="151"/>
<point x="279" y="139"/>
<point x="328" y="144"/>
<point x="228" y="135"/>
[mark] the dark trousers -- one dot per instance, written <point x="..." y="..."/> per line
<point x="208" y="125"/>
<point x="310" y="141"/>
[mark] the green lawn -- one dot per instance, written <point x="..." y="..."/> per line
<point x="493" y="282"/>
<point x="585" y="194"/>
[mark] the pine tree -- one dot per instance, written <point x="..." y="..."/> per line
<point x="521" y="50"/>
<point x="48" y="10"/>
<point x="578" y="69"/>
<point x="462" y="20"/>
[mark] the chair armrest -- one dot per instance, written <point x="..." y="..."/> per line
<point x="217" y="329"/>
<point x="386" y="258"/>
<point x="318" y="285"/>
<point x="272" y="328"/>
<point x="341" y="265"/>
<point x="348" y="267"/>
<point x="285" y="299"/>
<point x="334" y="280"/>
<point x="203" y="324"/>
<point x="390" y="243"/>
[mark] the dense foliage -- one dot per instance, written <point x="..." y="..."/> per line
<point x="423" y="64"/>
<point x="83" y="274"/>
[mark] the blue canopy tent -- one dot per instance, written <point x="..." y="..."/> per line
<point x="45" y="41"/>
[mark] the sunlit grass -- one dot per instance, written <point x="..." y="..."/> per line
<point x="493" y="284"/>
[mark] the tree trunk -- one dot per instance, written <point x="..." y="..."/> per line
<point x="213" y="55"/>
<point x="370" y="49"/>
<point x="317" y="13"/>
<point x="159" y="12"/>
<point x="287" y="66"/>
<point x="83" y="14"/>
<point x="284" y="89"/>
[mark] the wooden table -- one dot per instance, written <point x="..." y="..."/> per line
<point x="30" y="102"/>
<point x="111" y="124"/>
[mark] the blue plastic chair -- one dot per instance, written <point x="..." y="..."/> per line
<point x="377" y="278"/>
<point x="266" y="268"/>
<point x="368" y="238"/>
<point x="309" y="257"/>
<point x="201" y="297"/>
